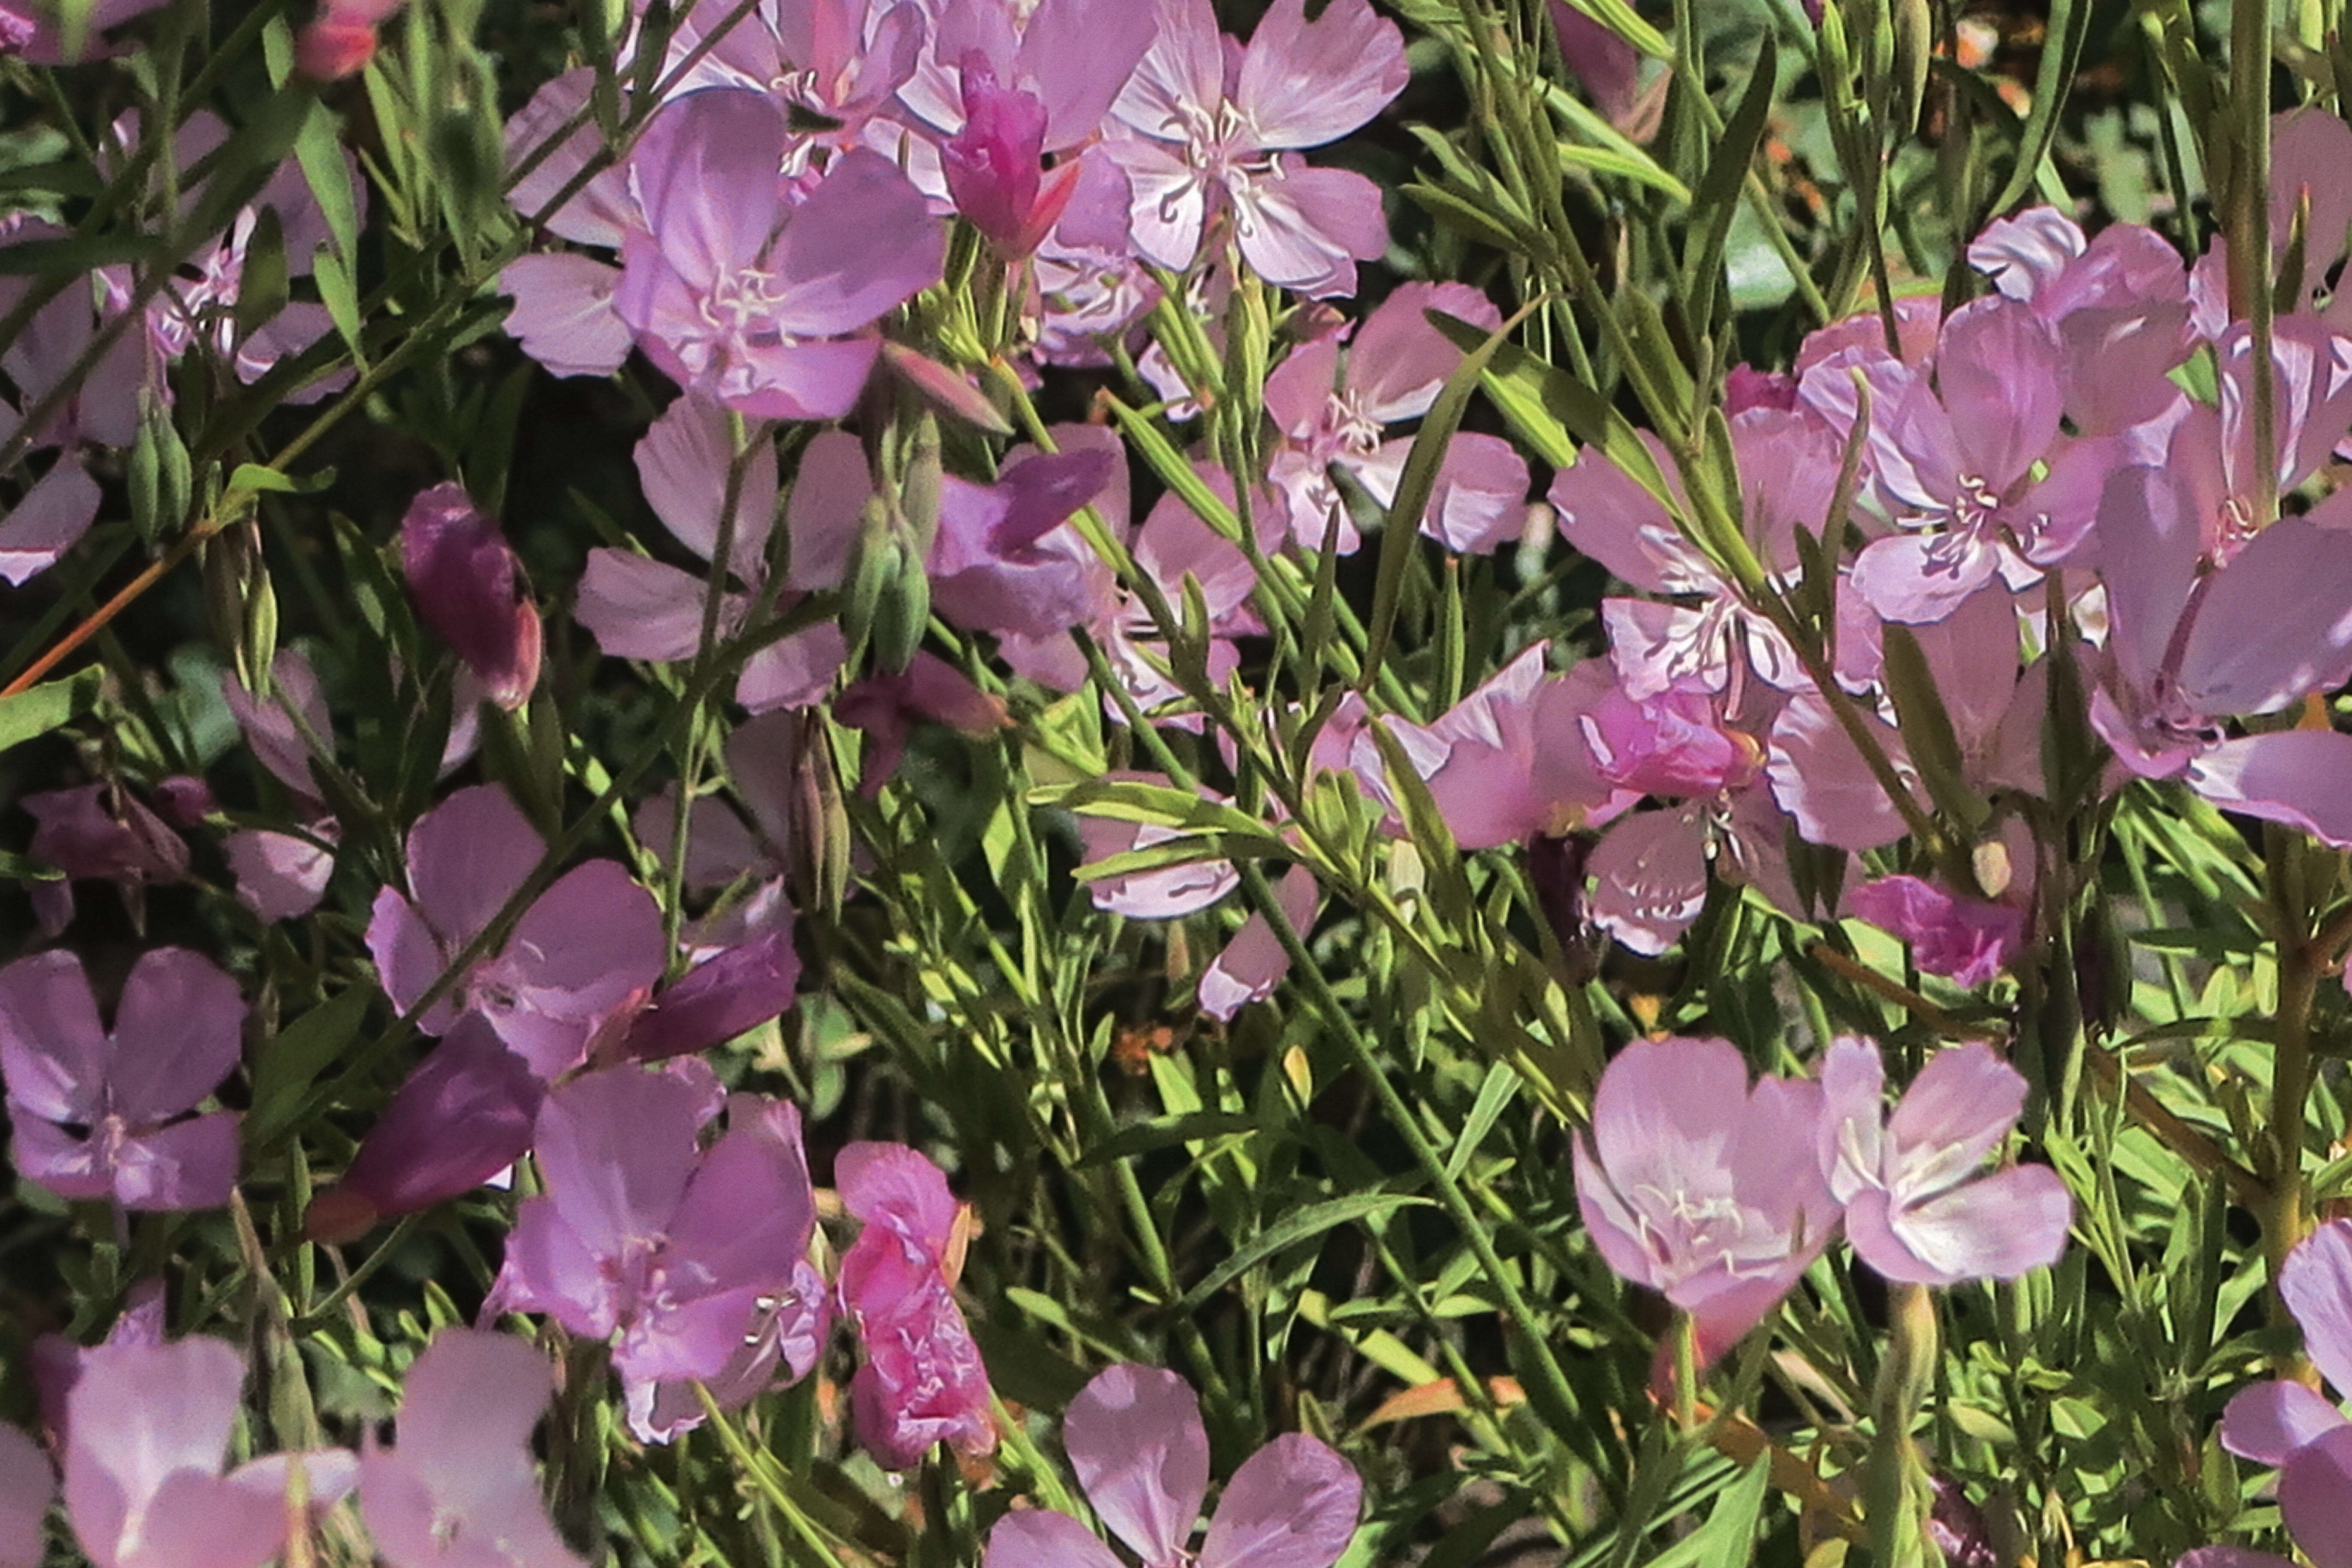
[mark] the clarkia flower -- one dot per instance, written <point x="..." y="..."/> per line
<point x="757" y="300"/>
<point x="1702" y="1187"/>
<point x="586" y="953"/>
<point x="694" y="1260"/>
<point x="922" y="1382"/>
<point x="1967" y="940"/>
<point x="25" y="1489"/>
<point x="1917" y="1206"/>
<point x="100" y="1114"/>
<point x="2294" y="1427"/>
<point x="459" y="1489"/>
<point x="1135" y="1439"/>
<point x="1329" y="414"/>
<point x="1213" y="130"/>
<point x="147" y="1429"/>
<point x="99" y="831"/>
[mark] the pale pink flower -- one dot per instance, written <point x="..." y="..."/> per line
<point x="147" y="1429"/>
<point x="1919" y="1207"/>
<point x="459" y="1490"/>
<point x="694" y="1260"/>
<point x="1213" y="131"/>
<point x="749" y="294"/>
<point x="1702" y="1187"/>
<point x="1135" y="1439"/>
<point x="586" y="953"/>
<point x="2284" y="1423"/>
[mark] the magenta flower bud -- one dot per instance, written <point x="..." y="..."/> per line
<point x="993" y="164"/>
<point x="469" y="589"/>
<point x="1967" y="940"/>
<point x="739" y="989"/>
<point x="1676" y="744"/>
<point x="464" y="1115"/>
<point x="1747" y="387"/>
<point x="185" y="799"/>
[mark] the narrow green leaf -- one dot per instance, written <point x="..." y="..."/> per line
<point x="1303" y="1225"/>
<point x="38" y="709"/>
<point x="1418" y="482"/>
<point x="1166" y="1133"/>
<point x="290" y="1061"/>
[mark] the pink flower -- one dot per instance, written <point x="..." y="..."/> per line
<point x="751" y="298"/>
<point x="26" y="1488"/>
<point x="469" y="588"/>
<point x="2191" y="645"/>
<point x="459" y="1490"/>
<point x="1393" y="370"/>
<point x="99" y="830"/>
<point x="1135" y="1438"/>
<point x="922" y="1382"/>
<point x="2290" y="1425"/>
<point x="1213" y="131"/>
<point x="638" y="607"/>
<point x="586" y="952"/>
<point x="1918" y="1208"/>
<point x="147" y="1429"/>
<point x="1702" y="1188"/>
<point x="694" y="1260"/>
<point x="105" y="1115"/>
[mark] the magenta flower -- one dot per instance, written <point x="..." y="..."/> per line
<point x="747" y="296"/>
<point x="1213" y="130"/>
<point x="105" y="1115"/>
<point x="1701" y="1187"/>
<point x="1135" y="1439"/>
<point x="147" y="1429"/>
<point x="1918" y="1208"/>
<point x="585" y="953"/>
<point x="694" y="1260"/>
<point x="470" y="589"/>
<point x="922" y="1382"/>
<point x="459" y="1490"/>
<point x="26" y="1486"/>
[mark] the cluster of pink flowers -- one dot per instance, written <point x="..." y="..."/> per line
<point x="142" y="1427"/>
<point x="1719" y="1194"/>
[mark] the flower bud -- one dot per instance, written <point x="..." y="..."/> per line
<point x="469" y="588"/>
